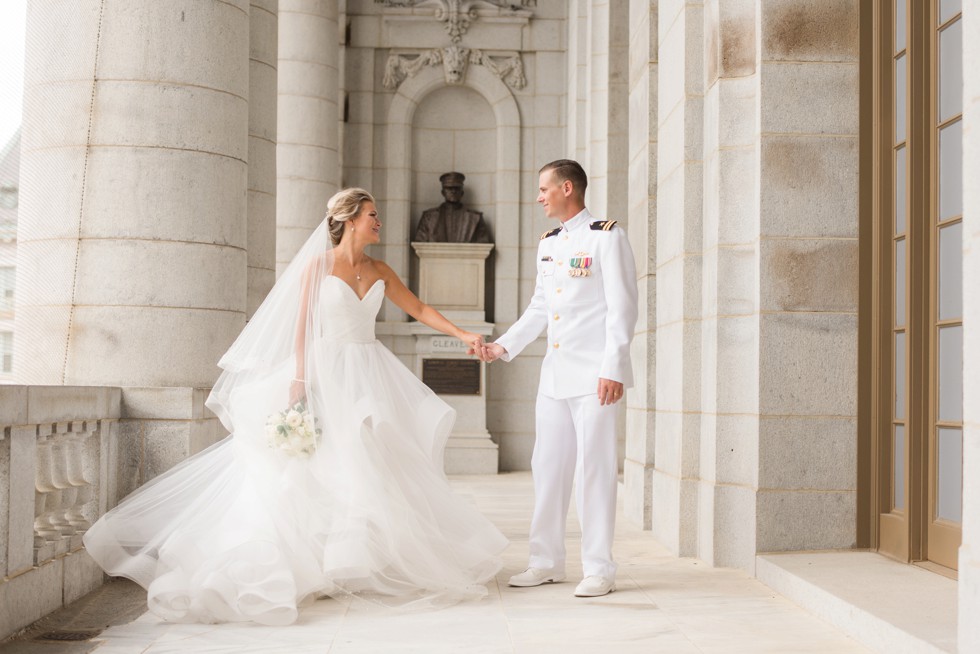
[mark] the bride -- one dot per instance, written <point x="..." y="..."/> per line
<point x="266" y="521"/>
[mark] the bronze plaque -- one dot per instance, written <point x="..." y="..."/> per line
<point x="452" y="376"/>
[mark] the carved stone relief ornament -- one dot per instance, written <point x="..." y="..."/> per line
<point x="509" y="67"/>
<point x="458" y="14"/>
<point x="455" y="59"/>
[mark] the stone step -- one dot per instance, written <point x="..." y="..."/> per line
<point x="886" y="605"/>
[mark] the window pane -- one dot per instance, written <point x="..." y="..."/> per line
<point x="951" y="71"/>
<point x="6" y="351"/>
<point x="900" y="376"/>
<point x="948" y="9"/>
<point x="900" y="95"/>
<point x="899" y="25"/>
<point x="951" y="374"/>
<point x="6" y="288"/>
<point x="949" y="486"/>
<point x="900" y="185"/>
<point x="898" y="468"/>
<point x="951" y="272"/>
<point x="951" y="170"/>
<point x="900" y="283"/>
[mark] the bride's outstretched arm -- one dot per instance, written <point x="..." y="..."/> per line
<point x="408" y="302"/>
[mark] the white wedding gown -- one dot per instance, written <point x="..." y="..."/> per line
<point x="241" y="532"/>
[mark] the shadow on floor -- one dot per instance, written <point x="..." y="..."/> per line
<point x="70" y="630"/>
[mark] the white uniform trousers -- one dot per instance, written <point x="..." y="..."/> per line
<point x="576" y="437"/>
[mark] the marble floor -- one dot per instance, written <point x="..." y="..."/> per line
<point x="664" y="604"/>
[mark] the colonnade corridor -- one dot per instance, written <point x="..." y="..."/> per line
<point x="663" y="604"/>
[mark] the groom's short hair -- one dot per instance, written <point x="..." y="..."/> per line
<point x="569" y="170"/>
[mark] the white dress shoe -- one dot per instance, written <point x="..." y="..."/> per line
<point x="595" y="587"/>
<point x="536" y="577"/>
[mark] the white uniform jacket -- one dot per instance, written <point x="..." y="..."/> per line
<point x="585" y="294"/>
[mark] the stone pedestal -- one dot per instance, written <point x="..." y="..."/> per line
<point x="451" y="279"/>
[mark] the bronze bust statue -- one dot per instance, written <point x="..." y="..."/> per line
<point x="450" y="222"/>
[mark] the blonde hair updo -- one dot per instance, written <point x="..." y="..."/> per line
<point x="343" y="206"/>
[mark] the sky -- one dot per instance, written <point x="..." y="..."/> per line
<point x="13" y="15"/>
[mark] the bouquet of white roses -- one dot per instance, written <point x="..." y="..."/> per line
<point x="293" y="431"/>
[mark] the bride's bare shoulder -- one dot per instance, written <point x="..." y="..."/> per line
<point x="381" y="267"/>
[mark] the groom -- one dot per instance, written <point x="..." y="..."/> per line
<point x="585" y="294"/>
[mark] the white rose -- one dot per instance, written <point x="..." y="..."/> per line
<point x="294" y="419"/>
<point x="309" y="423"/>
<point x="295" y="441"/>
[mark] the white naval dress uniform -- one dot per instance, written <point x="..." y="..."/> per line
<point x="586" y="296"/>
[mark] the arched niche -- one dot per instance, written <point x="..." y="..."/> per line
<point x="504" y="205"/>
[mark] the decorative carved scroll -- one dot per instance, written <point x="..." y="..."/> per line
<point x="509" y="67"/>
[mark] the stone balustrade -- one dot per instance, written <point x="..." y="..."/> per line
<point x="68" y="454"/>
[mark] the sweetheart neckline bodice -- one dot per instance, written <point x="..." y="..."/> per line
<point x="359" y="298"/>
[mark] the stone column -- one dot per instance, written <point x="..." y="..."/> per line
<point x="680" y="99"/>
<point x="606" y="98"/>
<point x="808" y="219"/>
<point x="131" y="254"/>
<point x="969" y="562"/>
<point x="578" y="78"/>
<point x="307" y="157"/>
<point x="729" y="341"/>
<point x="642" y="201"/>
<point x="262" y="89"/>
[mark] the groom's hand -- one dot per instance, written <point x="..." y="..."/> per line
<point x="609" y="391"/>
<point x="491" y="352"/>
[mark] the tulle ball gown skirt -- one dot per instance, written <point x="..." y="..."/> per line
<point x="243" y="532"/>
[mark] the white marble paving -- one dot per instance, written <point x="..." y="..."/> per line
<point x="663" y="604"/>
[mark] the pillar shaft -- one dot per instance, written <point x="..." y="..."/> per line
<point x="131" y="253"/>
<point x="307" y="157"/>
<point x="642" y="203"/>
<point x="969" y="562"/>
<point x="680" y="101"/>
<point x="262" y="94"/>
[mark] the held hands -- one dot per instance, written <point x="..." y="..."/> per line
<point x="473" y="341"/>
<point x="487" y="352"/>
<point x="609" y="391"/>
